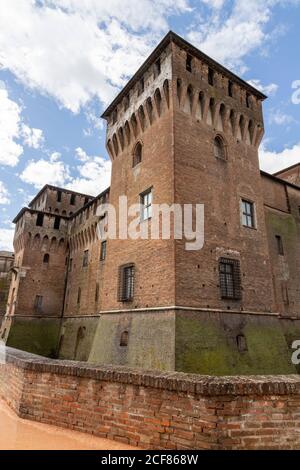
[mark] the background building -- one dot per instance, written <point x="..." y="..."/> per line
<point x="184" y="130"/>
<point x="6" y="262"/>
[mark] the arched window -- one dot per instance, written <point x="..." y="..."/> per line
<point x="219" y="148"/>
<point x="124" y="339"/>
<point x="46" y="258"/>
<point x="137" y="155"/>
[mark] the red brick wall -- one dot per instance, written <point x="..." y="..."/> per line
<point x="155" y="410"/>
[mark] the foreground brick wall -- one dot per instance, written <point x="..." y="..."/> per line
<point x="155" y="410"/>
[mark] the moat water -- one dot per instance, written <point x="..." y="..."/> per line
<point x="20" y="434"/>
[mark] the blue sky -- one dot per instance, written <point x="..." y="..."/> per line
<point x="63" y="61"/>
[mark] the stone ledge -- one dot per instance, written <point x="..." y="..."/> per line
<point x="172" y="381"/>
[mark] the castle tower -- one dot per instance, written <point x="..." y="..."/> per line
<point x="185" y="130"/>
<point x="37" y="290"/>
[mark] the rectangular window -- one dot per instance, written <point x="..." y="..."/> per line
<point x="38" y="303"/>
<point x="248" y="100"/>
<point x="230" y="279"/>
<point x="230" y="88"/>
<point x="157" y="68"/>
<point x="73" y="199"/>
<point x="211" y="77"/>
<point x="103" y="251"/>
<point x="78" y="296"/>
<point x="126" y="283"/>
<point x="189" y="63"/>
<point x="58" y="196"/>
<point x="56" y="223"/>
<point x="141" y="87"/>
<point x="40" y="220"/>
<point x="85" y="261"/>
<point x="279" y="242"/>
<point x="248" y="214"/>
<point x="146" y="202"/>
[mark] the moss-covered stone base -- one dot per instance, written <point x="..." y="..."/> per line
<point x="207" y="343"/>
<point x="232" y="344"/>
<point x="151" y="340"/>
<point x="34" y="335"/>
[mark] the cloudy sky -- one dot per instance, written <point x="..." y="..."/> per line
<point x="62" y="62"/>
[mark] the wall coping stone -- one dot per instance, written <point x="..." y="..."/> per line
<point x="171" y="381"/>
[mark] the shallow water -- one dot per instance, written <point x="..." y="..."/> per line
<point x="20" y="434"/>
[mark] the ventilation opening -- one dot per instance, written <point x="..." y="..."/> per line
<point x="124" y="339"/>
<point x="241" y="343"/>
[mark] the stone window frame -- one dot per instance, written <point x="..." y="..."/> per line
<point x="230" y="278"/>
<point x="219" y="137"/>
<point x="126" y="282"/>
<point x="252" y="214"/>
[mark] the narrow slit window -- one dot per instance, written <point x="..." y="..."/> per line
<point x="189" y="63"/>
<point x="85" y="260"/>
<point x="279" y="242"/>
<point x="211" y="77"/>
<point x="103" y="251"/>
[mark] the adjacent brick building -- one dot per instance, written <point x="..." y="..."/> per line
<point x="184" y="130"/>
<point x="6" y="262"/>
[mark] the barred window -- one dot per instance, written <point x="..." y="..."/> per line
<point x="146" y="202"/>
<point x="126" y="283"/>
<point x="230" y="279"/>
<point x="38" y="303"/>
<point x="248" y="214"/>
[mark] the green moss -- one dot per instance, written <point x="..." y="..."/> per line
<point x="37" y="336"/>
<point x="70" y="346"/>
<point x="206" y="346"/>
<point x="284" y="225"/>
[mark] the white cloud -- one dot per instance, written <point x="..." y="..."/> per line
<point x="4" y="195"/>
<point x="6" y="239"/>
<point x="94" y="174"/>
<point x="280" y="118"/>
<point x="91" y="176"/>
<point x="272" y="162"/>
<point x="10" y="120"/>
<point x="230" y="36"/>
<point x="32" y="137"/>
<point x="269" y="90"/>
<point x="75" y="50"/>
<point x="13" y="132"/>
<point x="214" y="3"/>
<point x="41" y="172"/>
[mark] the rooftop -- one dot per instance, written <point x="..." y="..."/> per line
<point x="173" y="37"/>
<point x="292" y="167"/>
<point x="56" y="188"/>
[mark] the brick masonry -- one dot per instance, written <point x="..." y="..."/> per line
<point x="155" y="410"/>
<point x="175" y="114"/>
